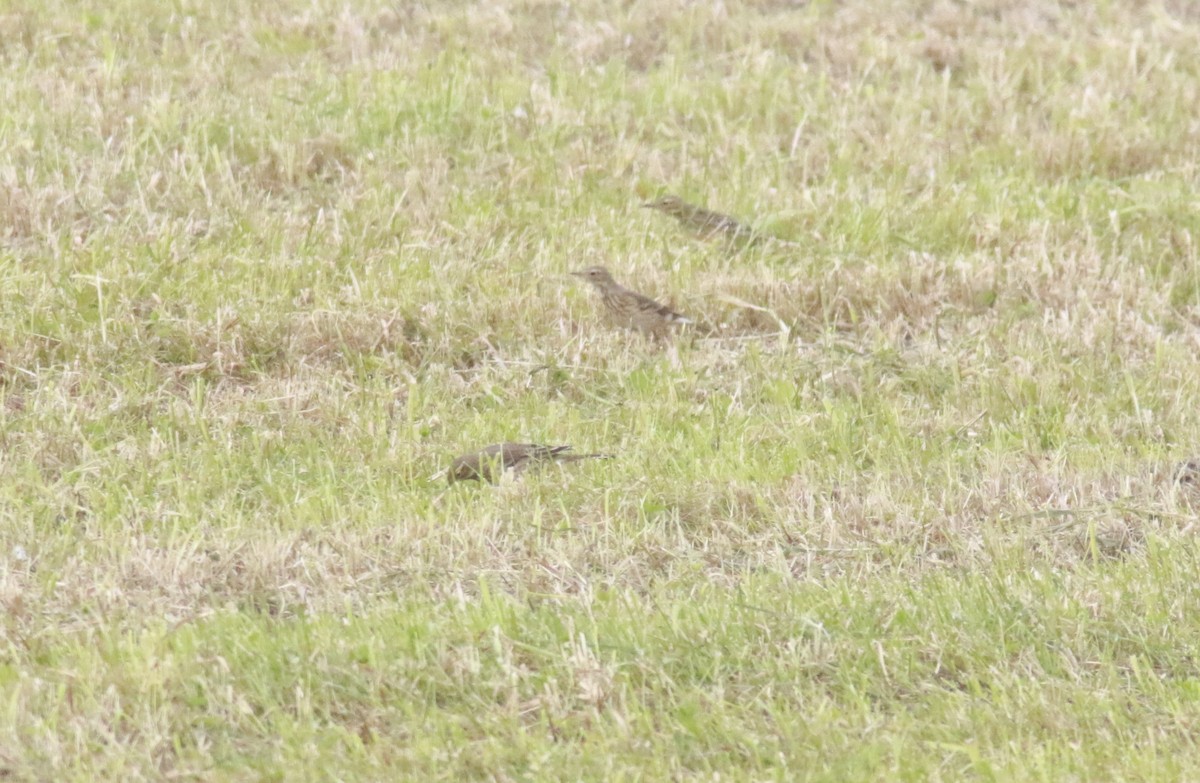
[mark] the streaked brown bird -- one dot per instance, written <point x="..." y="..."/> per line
<point x="492" y="462"/>
<point x="629" y="308"/>
<point x="704" y="223"/>
<point x="1187" y="474"/>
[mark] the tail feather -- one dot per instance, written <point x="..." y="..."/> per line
<point x="578" y="457"/>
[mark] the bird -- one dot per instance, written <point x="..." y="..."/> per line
<point x="1187" y="474"/>
<point x="704" y="222"/>
<point x="492" y="462"/>
<point x="629" y="308"/>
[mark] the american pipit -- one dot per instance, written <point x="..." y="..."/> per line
<point x="704" y="223"/>
<point x="1187" y="474"/>
<point x="629" y="308"/>
<point x="492" y="462"/>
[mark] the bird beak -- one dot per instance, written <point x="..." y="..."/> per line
<point x="648" y="205"/>
<point x="577" y="274"/>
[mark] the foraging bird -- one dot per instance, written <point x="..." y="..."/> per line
<point x="629" y="308"/>
<point x="705" y="223"/>
<point x="492" y="462"/>
<point x="1187" y="474"/>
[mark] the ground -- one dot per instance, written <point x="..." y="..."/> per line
<point x="903" y="505"/>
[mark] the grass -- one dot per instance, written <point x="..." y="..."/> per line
<point x="905" y="510"/>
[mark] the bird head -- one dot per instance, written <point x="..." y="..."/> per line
<point x="597" y="275"/>
<point x="672" y="205"/>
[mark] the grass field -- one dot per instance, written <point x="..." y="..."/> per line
<point x="904" y="507"/>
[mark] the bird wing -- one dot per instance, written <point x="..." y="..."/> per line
<point x="648" y="305"/>
<point x="712" y="223"/>
<point x="517" y="454"/>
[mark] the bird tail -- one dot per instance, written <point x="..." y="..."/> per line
<point x="577" y="457"/>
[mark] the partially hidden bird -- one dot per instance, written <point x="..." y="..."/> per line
<point x="707" y="224"/>
<point x="702" y="222"/>
<point x="1187" y="474"/>
<point x="491" y="463"/>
